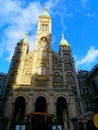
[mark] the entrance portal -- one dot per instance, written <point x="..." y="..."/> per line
<point x="62" y="112"/>
<point x="19" y="112"/>
<point x="40" y="119"/>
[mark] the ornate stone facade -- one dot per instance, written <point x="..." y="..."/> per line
<point x="42" y="80"/>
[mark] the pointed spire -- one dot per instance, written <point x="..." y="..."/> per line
<point x="25" y="37"/>
<point x="45" y="9"/>
<point x="45" y="13"/>
<point x="62" y="35"/>
<point x="26" y="34"/>
<point x="63" y="41"/>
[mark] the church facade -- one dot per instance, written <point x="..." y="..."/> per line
<point x="42" y="85"/>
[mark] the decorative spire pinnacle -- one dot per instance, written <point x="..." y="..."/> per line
<point x="25" y="37"/>
<point x="63" y="41"/>
<point x="45" y="9"/>
<point x="62" y="35"/>
<point x="45" y="12"/>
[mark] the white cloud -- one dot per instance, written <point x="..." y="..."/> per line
<point x="90" y="58"/>
<point x="15" y="20"/>
<point x="51" y="3"/>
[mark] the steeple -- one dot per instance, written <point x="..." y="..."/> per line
<point x="45" y="12"/>
<point x="64" y="42"/>
<point x="44" y="29"/>
<point x="44" y="23"/>
<point x="25" y="39"/>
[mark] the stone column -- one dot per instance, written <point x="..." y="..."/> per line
<point x="30" y="105"/>
<point x="84" y="125"/>
<point x="78" y="128"/>
<point x="71" y="125"/>
<point x="72" y="107"/>
<point x="65" y="120"/>
<point x="10" y="114"/>
<point x="51" y="106"/>
<point x="70" y="115"/>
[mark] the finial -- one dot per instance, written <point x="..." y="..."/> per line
<point x="25" y="37"/>
<point x="45" y="12"/>
<point x="45" y="9"/>
<point x="62" y="35"/>
<point x="26" y="34"/>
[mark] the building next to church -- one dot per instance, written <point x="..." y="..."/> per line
<point x="85" y="120"/>
<point x="3" y="78"/>
<point x="93" y="85"/>
<point x="42" y="89"/>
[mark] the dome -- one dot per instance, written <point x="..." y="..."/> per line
<point x="45" y="12"/>
<point x="64" y="42"/>
<point x="25" y="39"/>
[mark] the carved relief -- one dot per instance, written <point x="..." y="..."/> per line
<point x="56" y="63"/>
<point x="66" y="56"/>
<point x="44" y="27"/>
<point x="68" y="65"/>
<point x="57" y="79"/>
<point x="27" y="69"/>
<point x="70" y="78"/>
<point x="43" y="57"/>
<point x="43" y="46"/>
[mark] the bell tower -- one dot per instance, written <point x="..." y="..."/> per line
<point x="42" y="64"/>
<point x="44" y="29"/>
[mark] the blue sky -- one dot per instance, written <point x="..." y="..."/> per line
<point x="77" y="19"/>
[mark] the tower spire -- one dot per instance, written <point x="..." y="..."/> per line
<point x="25" y="37"/>
<point x="63" y="41"/>
<point x="62" y="35"/>
<point x="45" y="12"/>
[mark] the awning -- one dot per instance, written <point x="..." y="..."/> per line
<point x="38" y="113"/>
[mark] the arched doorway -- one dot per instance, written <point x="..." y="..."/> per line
<point x="62" y="115"/>
<point x="41" y="107"/>
<point x="19" y="112"/>
<point x="40" y="119"/>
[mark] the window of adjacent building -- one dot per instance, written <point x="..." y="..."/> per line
<point x="0" y="87"/>
<point x="84" y="90"/>
<point x="88" y="105"/>
<point x="94" y="87"/>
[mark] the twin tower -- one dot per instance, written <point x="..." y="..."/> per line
<point x="42" y="83"/>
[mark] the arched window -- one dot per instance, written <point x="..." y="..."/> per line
<point x="69" y="77"/>
<point x="66" y="55"/>
<point x="44" y="27"/>
<point x="61" y="107"/>
<point x="42" y="70"/>
<point x="57" y="78"/>
<point x="19" y="111"/>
